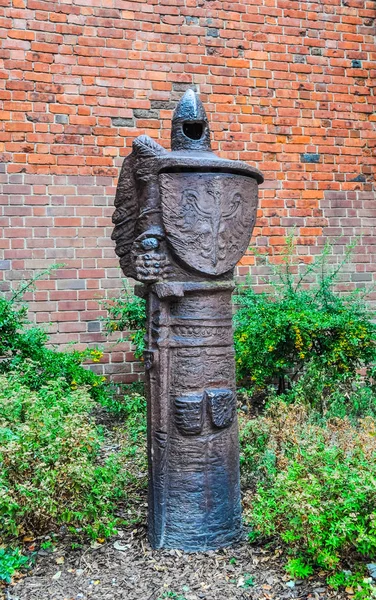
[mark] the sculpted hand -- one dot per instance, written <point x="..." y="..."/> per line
<point x="150" y="260"/>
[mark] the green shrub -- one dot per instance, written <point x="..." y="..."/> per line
<point x="359" y="586"/>
<point x="23" y="348"/>
<point x="127" y="312"/>
<point x="308" y="342"/>
<point x="11" y="560"/>
<point x="55" y="465"/>
<point x="313" y="485"/>
<point x="52" y="471"/>
<point x="127" y="401"/>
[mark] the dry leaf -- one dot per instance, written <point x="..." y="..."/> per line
<point x="121" y="547"/>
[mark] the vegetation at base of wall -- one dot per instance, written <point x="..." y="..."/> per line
<point x="307" y="342"/>
<point x="23" y="349"/>
<point x="59" y="466"/>
<point x="127" y="312"/>
<point x="56" y="468"/>
<point x="311" y="486"/>
<point x="52" y="470"/>
<point x="308" y="461"/>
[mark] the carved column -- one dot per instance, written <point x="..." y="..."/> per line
<point x="183" y="219"/>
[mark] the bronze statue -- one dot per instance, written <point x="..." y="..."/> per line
<point x="183" y="220"/>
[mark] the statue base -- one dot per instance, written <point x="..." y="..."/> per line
<point x="193" y="447"/>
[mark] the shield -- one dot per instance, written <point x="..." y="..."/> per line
<point x="222" y="406"/>
<point x="208" y="218"/>
<point x="189" y="414"/>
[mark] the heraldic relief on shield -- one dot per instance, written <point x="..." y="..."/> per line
<point x="183" y="219"/>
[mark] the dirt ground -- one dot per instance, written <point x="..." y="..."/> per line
<point x="126" y="568"/>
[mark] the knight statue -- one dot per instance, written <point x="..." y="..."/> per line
<point x="183" y="219"/>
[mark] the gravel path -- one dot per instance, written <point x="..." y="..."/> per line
<point x="127" y="569"/>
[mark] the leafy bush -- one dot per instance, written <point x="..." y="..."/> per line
<point x="11" y="560"/>
<point x="357" y="585"/>
<point x="314" y="484"/>
<point x="126" y="401"/>
<point x="55" y="468"/>
<point x="308" y="342"/>
<point x="127" y="312"/>
<point x="23" y="348"/>
<point x="52" y="471"/>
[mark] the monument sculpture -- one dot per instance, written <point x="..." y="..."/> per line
<point x="183" y="219"/>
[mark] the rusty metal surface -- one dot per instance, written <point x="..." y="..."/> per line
<point x="183" y="219"/>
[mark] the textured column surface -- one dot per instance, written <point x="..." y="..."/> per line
<point x="194" y="492"/>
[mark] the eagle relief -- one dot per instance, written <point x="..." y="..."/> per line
<point x="207" y="218"/>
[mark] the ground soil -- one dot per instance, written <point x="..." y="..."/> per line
<point x="126" y="568"/>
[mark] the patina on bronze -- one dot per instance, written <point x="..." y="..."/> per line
<point x="183" y="220"/>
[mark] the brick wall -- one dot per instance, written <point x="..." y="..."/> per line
<point x="287" y="85"/>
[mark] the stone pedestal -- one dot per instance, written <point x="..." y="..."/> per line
<point x="194" y="491"/>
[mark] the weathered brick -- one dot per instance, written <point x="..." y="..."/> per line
<point x="71" y="284"/>
<point x="93" y="326"/>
